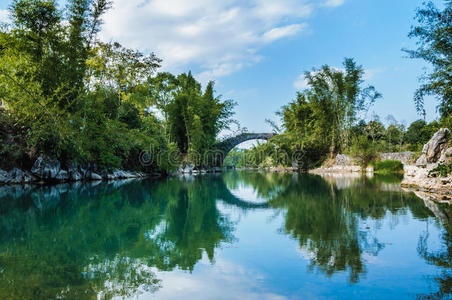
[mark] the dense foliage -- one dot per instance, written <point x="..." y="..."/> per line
<point x="68" y="95"/>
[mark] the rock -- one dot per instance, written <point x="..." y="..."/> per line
<point x="433" y="149"/>
<point x="18" y="176"/>
<point x="130" y="175"/>
<point x="343" y="160"/>
<point x="4" y="177"/>
<point x="84" y="171"/>
<point x="94" y="176"/>
<point x="446" y="156"/>
<point x="46" y="168"/>
<point x="63" y="175"/>
<point x="189" y="168"/>
<point x="119" y="174"/>
<point x="75" y="176"/>
<point x="74" y="172"/>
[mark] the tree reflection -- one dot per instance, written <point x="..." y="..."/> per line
<point x="88" y="241"/>
<point x="441" y="258"/>
<point x="79" y="243"/>
<point x="326" y="220"/>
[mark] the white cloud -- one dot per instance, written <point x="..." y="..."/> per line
<point x="334" y="3"/>
<point x="281" y="32"/>
<point x="4" y="15"/>
<point x="301" y="82"/>
<point x="218" y="37"/>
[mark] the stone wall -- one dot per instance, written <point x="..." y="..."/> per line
<point x="404" y="157"/>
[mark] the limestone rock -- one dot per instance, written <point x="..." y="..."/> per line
<point x="95" y="176"/>
<point x="4" y="177"/>
<point x="75" y="176"/>
<point x="119" y="174"/>
<point x="433" y="149"/>
<point x="74" y="172"/>
<point x="46" y="168"/>
<point x="18" y="176"/>
<point x="343" y="160"/>
<point x="189" y="168"/>
<point x="446" y="156"/>
<point x="63" y="175"/>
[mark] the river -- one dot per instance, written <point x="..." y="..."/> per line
<point x="236" y="235"/>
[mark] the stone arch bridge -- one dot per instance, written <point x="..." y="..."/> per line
<point x="225" y="146"/>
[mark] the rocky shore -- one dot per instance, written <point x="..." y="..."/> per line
<point x="420" y="175"/>
<point x="341" y="164"/>
<point x="423" y="175"/>
<point x="50" y="170"/>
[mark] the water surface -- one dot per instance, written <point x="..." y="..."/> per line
<point x="238" y="235"/>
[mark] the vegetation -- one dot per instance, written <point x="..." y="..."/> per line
<point x="324" y="120"/>
<point x="363" y="149"/>
<point x="70" y="96"/>
<point x="443" y="170"/>
<point x="388" y="167"/>
<point x="434" y="46"/>
<point x="319" y="122"/>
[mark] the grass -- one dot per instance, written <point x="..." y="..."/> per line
<point x="388" y="167"/>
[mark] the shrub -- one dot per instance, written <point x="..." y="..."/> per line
<point x="388" y="167"/>
<point x="442" y="170"/>
<point x="364" y="150"/>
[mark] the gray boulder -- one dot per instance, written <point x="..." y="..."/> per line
<point x="74" y="172"/>
<point x="119" y="174"/>
<point x="188" y="169"/>
<point x="46" y="168"/>
<point x="111" y="177"/>
<point x="433" y="149"/>
<point x="63" y="175"/>
<point x="75" y="176"/>
<point x="4" y="177"/>
<point x="18" y="176"/>
<point x="94" y="176"/>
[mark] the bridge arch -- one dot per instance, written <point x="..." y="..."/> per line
<point x="225" y="146"/>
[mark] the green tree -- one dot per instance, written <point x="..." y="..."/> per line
<point x="433" y="33"/>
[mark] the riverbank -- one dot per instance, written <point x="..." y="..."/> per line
<point x="49" y="170"/>
<point x="422" y="175"/>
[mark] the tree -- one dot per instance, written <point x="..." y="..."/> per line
<point x="195" y="117"/>
<point x="338" y="96"/>
<point x="419" y="133"/>
<point x="321" y="119"/>
<point x="433" y="33"/>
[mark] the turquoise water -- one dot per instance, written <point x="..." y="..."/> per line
<point x="238" y="235"/>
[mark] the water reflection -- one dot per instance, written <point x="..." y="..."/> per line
<point x="82" y="241"/>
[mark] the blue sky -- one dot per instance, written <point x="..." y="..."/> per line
<point x="256" y="50"/>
